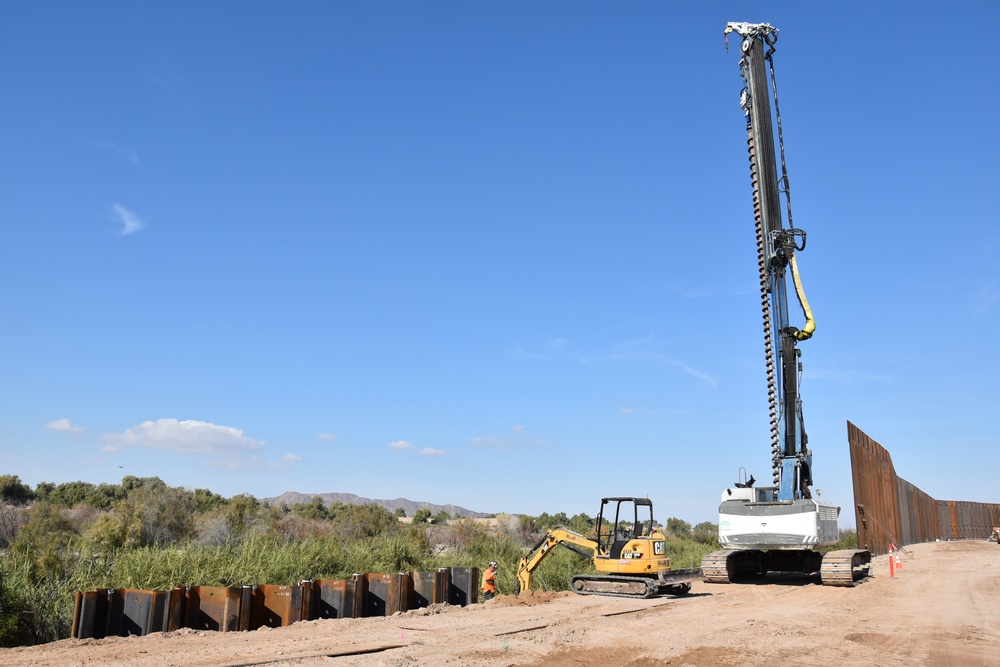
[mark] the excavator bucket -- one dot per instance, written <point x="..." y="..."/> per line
<point x="680" y="576"/>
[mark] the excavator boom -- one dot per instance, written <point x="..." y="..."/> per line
<point x="559" y="536"/>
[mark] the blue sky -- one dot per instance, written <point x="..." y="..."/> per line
<point x="493" y="254"/>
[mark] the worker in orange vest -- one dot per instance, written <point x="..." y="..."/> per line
<point x="490" y="581"/>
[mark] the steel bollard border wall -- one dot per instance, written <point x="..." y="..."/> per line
<point x="889" y="508"/>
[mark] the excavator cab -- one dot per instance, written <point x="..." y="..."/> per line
<point x="620" y="521"/>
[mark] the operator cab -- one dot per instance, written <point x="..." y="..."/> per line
<point x="763" y="494"/>
<point x="620" y="521"/>
<point x="743" y="489"/>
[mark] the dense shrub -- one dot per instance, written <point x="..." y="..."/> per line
<point x="151" y="515"/>
<point x="706" y="532"/>
<point x="146" y="535"/>
<point x="848" y="540"/>
<point x="13" y="491"/>
<point x="11" y="519"/>
<point x="678" y="527"/>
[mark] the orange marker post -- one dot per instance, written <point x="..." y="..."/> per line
<point x="892" y="564"/>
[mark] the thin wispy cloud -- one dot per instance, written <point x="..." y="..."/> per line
<point x="986" y="296"/>
<point x="291" y="457"/>
<point x="517" y="435"/>
<point x="326" y="437"/>
<point x="847" y="377"/>
<point x="558" y="348"/>
<point x="123" y="152"/>
<point x="245" y="463"/>
<point x="983" y="294"/>
<point x="706" y="291"/>
<point x="129" y="220"/>
<point x="639" y="349"/>
<point x="64" y="426"/>
<point x="401" y="445"/>
<point x="520" y="353"/>
<point x="634" y="348"/>
<point x="644" y="412"/>
<point x="700" y="375"/>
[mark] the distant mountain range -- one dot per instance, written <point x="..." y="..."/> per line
<point x="409" y="506"/>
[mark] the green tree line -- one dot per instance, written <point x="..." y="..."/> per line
<point x="56" y="539"/>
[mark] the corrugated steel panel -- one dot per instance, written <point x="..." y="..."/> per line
<point x="464" y="586"/>
<point x="423" y="586"/>
<point x="310" y="600"/>
<point x="442" y="585"/>
<point x="332" y="598"/>
<point x="174" y="609"/>
<point x="124" y="612"/>
<point x="275" y="606"/>
<point x="944" y="520"/>
<point x="890" y="509"/>
<point x="136" y="612"/>
<point x="90" y="614"/>
<point x="218" y="608"/>
<point x="387" y="594"/>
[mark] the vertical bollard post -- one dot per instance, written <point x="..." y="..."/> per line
<point x="892" y="564"/>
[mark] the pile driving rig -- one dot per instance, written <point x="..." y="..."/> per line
<point x="782" y="527"/>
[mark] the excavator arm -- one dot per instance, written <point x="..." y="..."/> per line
<point x="559" y="536"/>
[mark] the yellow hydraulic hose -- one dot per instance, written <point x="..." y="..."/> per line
<point x="810" y="325"/>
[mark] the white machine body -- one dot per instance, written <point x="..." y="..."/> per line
<point x="753" y="518"/>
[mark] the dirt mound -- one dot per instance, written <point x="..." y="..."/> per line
<point x="702" y="657"/>
<point x="526" y="598"/>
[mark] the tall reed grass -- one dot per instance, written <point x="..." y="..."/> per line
<point x="37" y="585"/>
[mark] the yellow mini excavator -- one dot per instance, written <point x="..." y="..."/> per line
<point x="627" y="551"/>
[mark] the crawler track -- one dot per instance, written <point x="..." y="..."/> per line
<point x="674" y="583"/>
<point x="621" y="587"/>
<point x="715" y="567"/>
<point x="848" y="567"/>
<point x="845" y="568"/>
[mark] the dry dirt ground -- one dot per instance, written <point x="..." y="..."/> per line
<point x="937" y="611"/>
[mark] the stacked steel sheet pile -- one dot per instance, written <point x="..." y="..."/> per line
<point x="125" y="612"/>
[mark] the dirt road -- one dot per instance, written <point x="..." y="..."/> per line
<point x="938" y="611"/>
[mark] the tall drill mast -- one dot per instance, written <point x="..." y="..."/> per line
<point x="780" y="528"/>
<point x="776" y="247"/>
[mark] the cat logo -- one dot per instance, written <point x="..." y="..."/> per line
<point x="659" y="548"/>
